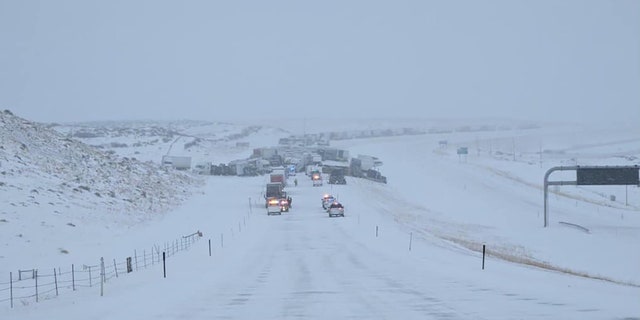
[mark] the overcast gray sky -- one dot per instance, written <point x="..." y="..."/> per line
<point x="230" y="60"/>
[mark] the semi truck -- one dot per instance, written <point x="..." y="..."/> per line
<point x="203" y="168"/>
<point x="274" y="191"/>
<point x="177" y="162"/>
<point x="278" y="175"/>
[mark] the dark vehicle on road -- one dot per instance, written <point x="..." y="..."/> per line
<point x="336" y="210"/>
<point x="337" y="178"/>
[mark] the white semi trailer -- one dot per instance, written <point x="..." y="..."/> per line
<point x="177" y="162"/>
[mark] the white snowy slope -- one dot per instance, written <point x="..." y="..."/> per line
<point x="493" y="199"/>
<point x="62" y="198"/>
<point x="410" y="249"/>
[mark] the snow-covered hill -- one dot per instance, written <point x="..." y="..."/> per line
<point x="55" y="185"/>
<point x="40" y="161"/>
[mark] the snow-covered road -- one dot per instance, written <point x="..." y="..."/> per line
<point x="305" y="265"/>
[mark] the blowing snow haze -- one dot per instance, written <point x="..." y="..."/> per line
<point x="544" y="60"/>
<point x="77" y="195"/>
<point x="137" y="128"/>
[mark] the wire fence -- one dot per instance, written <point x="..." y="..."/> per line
<point x="33" y="285"/>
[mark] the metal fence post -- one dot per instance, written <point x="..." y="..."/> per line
<point x="483" y="253"/>
<point x="36" y="277"/>
<point x="164" y="265"/>
<point x="11" y="288"/>
<point x="55" y="279"/>
<point x="102" y="276"/>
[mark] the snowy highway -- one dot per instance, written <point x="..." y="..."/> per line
<point x="409" y="249"/>
<point x="305" y="265"/>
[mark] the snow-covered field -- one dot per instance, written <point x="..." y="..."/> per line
<point x="410" y="249"/>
